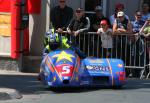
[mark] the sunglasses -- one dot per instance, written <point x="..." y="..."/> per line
<point x="78" y="11"/>
<point x="139" y="16"/>
<point x="120" y="17"/>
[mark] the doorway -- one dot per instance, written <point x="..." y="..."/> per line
<point x="91" y="4"/>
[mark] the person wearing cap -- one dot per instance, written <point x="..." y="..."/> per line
<point x="96" y="19"/>
<point x="118" y="7"/>
<point x="95" y="23"/>
<point x="106" y="38"/>
<point x="145" y="11"/>
<point x="138" y="23"/>
<point x="60" y="16"/>
<point x="122" y="25"/>
<point x="79" y="25"/>
<point x="136" y="46"/>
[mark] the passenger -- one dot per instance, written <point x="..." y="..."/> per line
<point x="106" y="37"/>
<point x="118" y="7"/>
<point x="61" y="15"/>
<point x="79" y="25"/>
<point x="145" y="11"/>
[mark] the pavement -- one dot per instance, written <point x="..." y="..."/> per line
<point x="7" y="93"/>
<point x="8" y="80"/>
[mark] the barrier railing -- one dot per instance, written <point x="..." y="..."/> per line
<point x="131" y="49"/>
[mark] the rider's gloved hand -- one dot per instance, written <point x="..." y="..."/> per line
<point x="60" y="30"/>
<point x="69" y="31"/>
<point x="76" y="33"/>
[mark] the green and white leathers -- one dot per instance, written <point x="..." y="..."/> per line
<point x="56" y="40"/>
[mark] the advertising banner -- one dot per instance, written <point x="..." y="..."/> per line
<point x="5" y="24"/>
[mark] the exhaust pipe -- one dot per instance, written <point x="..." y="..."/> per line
<point x="66" y="81"/>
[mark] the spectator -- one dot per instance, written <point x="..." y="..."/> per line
<point x="61" y="16"/>
<point x="138" y="22"/>
<point x="106" y="37"/>
<point x="136" y="44"/>
<point x="95" y="24"/>
<point x="78" y="25"/>
<point x="145" y="11"/>
<point x="122" y="24"/>
<point x="119" y="7"/>
<point x="96" y="19"/>
<point x="146" y="32"/>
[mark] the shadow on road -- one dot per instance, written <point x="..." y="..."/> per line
<point x="137" y="83"/>
<point x="25" y="84"/>
<point x="28" y="84"/>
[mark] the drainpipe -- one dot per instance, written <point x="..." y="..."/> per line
<point x="23" y="25"/>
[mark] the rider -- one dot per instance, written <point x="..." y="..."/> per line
<point x="53" y="41"/>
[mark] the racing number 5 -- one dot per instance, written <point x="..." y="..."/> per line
<point x="66" y="70"/>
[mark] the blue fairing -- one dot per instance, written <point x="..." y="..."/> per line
<point x="64" y="68"/>
<point x="99" y="72"/>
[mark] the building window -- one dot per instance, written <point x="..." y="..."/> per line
<point x="91" y="4"/>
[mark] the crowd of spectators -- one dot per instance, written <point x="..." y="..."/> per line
<point x="117" y="24"/>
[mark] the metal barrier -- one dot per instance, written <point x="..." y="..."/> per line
<point x="132" y="50"/>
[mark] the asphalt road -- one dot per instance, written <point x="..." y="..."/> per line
<point x="136" y="91"/>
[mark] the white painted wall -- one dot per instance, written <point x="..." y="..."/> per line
<point x="5" y="46"/>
